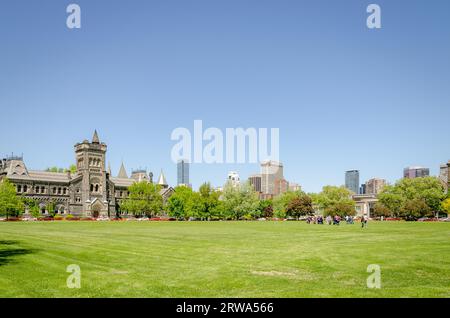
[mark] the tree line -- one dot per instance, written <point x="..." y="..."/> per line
<point x="408" y="198"/>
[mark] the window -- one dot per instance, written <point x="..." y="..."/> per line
<point x="96" y="188"/>
<point x="92" y="187"/>
<point x="25" y="188"/>
<point x="59" y="190"/>
<point x="54" y="190"/>
<point x="42" y="190"/>
<point x="65" y="191"/>
<point x="36" y="189"/>
<point x="19" y="188"/>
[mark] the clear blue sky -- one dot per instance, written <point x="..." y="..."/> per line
<point x="344" y="97"/>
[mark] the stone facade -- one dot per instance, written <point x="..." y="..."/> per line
<point x="90" y="192"/>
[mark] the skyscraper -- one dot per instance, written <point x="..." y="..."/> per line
<point x="272" y="179"/>
<point x="415" y="172"/>
<point x="375" y="185"/>
<point x="352" y="180"/>
<point x="183" y="172"/>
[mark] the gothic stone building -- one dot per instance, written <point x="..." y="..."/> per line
<point x="90" y="192"/>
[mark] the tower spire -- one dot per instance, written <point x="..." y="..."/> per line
<point x="95" y="139"/>
<point x="122" y="172"/>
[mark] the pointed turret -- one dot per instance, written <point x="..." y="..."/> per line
<point x="162" y="180"/>
<point x="122" y="172"/>
<point x="109" y="169"/>
<point x="95" y="139"/>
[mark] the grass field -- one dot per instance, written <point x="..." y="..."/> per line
<point x="223" y="259"/>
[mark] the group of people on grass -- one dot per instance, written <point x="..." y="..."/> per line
<point x="335" y="220"/>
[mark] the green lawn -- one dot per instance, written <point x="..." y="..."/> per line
<point x="223" y="259"/>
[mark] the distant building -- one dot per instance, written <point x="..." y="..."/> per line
<point x="281" y="186"/>
<point x="294" y="186"/>
<point x="140" y="175"/>
<point x="255" y="182"/>
<point x="444" y="175"/>
<point x="364" y="204"/>
<point x="183" y="173"/>
<point x="272" y="179"/>
<point x="362" y="189"/>
<point x="374" y="186"/>
<point x="415" y="172"/>
<point x="233" y="178"/>
<point x="352" y="180"/>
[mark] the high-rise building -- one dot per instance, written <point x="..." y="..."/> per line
<point x="352" y="180"/>
<point x="272" y="179"/>
<point x="375" y="185"/>
<point x="183" y="172"/>
<point x="362" y="189"/>
<point x="233" y="178"/>
<point x="255" y="182"/>
<point x="415" y="172"/>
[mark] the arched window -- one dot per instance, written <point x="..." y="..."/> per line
<point x="96" y="188"/>
<point x="59" y="190"/>
<point x="36" y="189"/>
<point x="54" y="190"/>
<point x="92" y="187"/>
<point x="65" y="191"/>
<point x="19" y="188"/>
<point x="25" y="188"/>
<point x="42" y="190"/>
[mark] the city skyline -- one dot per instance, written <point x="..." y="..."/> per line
<point x="343" y="96"/>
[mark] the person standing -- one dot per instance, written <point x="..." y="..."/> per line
<point x="363" y="221"/>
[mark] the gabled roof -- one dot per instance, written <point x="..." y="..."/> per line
<point x="122" y="172"/>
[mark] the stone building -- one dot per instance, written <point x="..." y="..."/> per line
<point x="90" y="192"/>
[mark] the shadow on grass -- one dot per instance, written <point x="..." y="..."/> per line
<point x="8" y="255"/>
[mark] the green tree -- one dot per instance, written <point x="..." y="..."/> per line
<point x="299" y="206"/>
<point x="240" y="202"/>
<point x="415" y="209"/>
<point x="72" y="169"/>
<point x="335" y="201"/>
<point x="281" y="202"/>
<point x="446" y="206"/>
<point x="54" y="169"/>
<point x="266" y="208"/>
<point x="11" y="205"/>
<point x="341" y="209"/>
<point x="427" y="189"/>
<point x="51" y="208"/>
<point x="380" y="210"/>
<point x="33" y="206"/>
<point x="209" y="200"/>
<point x="144" y="199"/>
<point x="177" y="204"/>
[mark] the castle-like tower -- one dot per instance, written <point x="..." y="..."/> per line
<point x="94" y="188"/>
